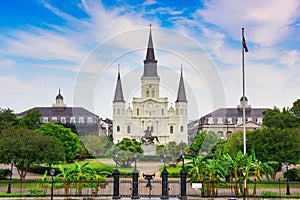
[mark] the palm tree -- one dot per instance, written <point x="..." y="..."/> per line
<point x="235" y="167"/>
<point x="66" y="176"/>
<point x="214" y="172"/>
<point x="260" y="169"/>
<point x="196" y="170"/>
<point x="80" y="173"/>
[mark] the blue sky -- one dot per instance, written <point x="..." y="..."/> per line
<point x="78" y="45"/>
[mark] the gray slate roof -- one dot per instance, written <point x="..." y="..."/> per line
<point x="234" y="113"/>
<point x="61" y="112"/>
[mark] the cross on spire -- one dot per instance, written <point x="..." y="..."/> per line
<point x="150" y="25"/>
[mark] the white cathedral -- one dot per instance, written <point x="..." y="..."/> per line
<point x="150" y="113"/>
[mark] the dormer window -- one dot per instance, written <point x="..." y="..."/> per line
<point x="229" y="120"/>
<point x="259" y="120"/>
<point x="249" y="119"/>
<point x="81" y="120"/>
<point x="210" y="120"/>
<point x="220" y="121"/>
<point x="63" y="120"/>
<point x="45" y="119"/>
<point x="72" y="120"/>
<point x="54" y="119"/>
<point x="89" y="120"/>
<point x="239" y="120"/>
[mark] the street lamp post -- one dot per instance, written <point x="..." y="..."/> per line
<point x="164" y="181"/>
<point x="135" y="180"/>
<point x="52" y="172"/>
<point x="183" y="179"/>
<point x="12" y="161"/>
<point x="116" y="175"/>
<point x="287" y="178"/>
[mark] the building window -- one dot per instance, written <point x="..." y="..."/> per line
<point x="137" y="111"/>
<point x="45" y="119"/>
<point x="239" y="120"/>
<point x="220" y="121"/>
<point x="149" y="113"/>
<point x="210" y="120"/>
<point x="249" y="119"/>
<point x="54" y="119"/>
<point x="162" y="112"/>
<point x="147" y="93"/>
<point x="153" y="92"/>
<point x="118" y="128"/>
<point x="229" y="120"/>
<point x="89" y="120"/>
<point x="128" y="129"/>
<point x="81" y="120"/>
<point x="221" y="134"/>
<point x="72" y="120"/>
<point x="171" y="129"/>
<point x="151" y="129"/>
<point x="63" y="120"/>
<point x="181" y="128"/>
<point x="259" y="120"/>
<point x="228" y="134"/>
<point x="118" y="111"/>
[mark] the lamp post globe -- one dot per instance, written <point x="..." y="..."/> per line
<point x="52" y="172"/>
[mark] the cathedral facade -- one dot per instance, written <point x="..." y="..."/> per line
<point x="150" y="116"/>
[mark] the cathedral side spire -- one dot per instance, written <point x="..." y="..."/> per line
<point x="119" y="92"/>
<point x="181" y="96"/>
<point x="150" y="64"/>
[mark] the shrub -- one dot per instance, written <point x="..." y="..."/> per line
<point x="292" y="174"/>
<point x="4" y="173"/>
<point x="269" y="194"/>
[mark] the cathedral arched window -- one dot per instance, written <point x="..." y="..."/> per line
<point x="181" y="128"/>
<point x="137" y="111"/>
<point x="153" y="92"/>
<point x="128" y="129"/>
<point x="171" y="129"/>
<point x="118" y="111"/>
<point x="147" y="93"/>
<point x="162" y="112"/>
<point x="118" y="128"/>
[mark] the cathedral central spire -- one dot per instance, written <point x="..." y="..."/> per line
<point x="150" y="64"/>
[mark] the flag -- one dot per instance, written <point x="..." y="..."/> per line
<point x="244" y="44"/>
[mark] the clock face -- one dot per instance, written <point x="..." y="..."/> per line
<point x="150" y="104"/>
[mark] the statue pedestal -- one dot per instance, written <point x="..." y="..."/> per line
<point x="149" y="149"/>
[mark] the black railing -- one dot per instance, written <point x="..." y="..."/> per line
<point x="105" y="189"/>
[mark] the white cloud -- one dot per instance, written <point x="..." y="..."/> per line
<point x="290" y="58"/>
<point x="266" y="22"/>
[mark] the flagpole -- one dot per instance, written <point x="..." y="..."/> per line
<point x="244" y="110"/>
<point x="243" y="71"/>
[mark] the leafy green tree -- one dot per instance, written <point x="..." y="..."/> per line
<point x="7" y="119"/>
<point x="273" y="144"/>
<point x="69" y="140"/>
<point x="28" y="148"/>
<point x="195" y="146"/>
<point x="31" y="120"/>
<point x="126" y="149"/>
<point x="279" y="119"/>
<point x="97" y="145"/>
<point x="234" y="143"/>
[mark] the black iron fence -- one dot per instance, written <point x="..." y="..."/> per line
<point x="105" y="189"/>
